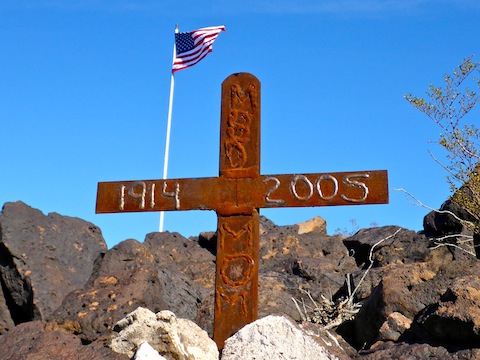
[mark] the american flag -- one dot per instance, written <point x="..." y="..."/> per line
<point x="191" y="47"/>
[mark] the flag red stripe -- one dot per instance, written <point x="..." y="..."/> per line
<point x="203" y="41"/>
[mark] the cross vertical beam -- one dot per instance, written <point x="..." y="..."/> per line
<point x="236" y="279"/>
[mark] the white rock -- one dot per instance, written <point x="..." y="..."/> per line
<point x="169" y="336"/>
<point x="139" y="315"/>
<point x="146" y="352"/>
<point x="274" y="338"/>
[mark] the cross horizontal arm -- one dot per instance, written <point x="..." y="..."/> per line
<point x="321" y="189"/>
<point x="241" y="195"/>
<point x="162" y="195"/>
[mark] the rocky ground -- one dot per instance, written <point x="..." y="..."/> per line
<point x="382" y="293"/>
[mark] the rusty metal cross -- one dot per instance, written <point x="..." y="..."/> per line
<point x="236" y="195"/>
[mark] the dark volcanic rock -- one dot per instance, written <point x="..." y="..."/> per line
<point x="417" y="300"/>
<point x="399" y="292"/>
<point x="166" y="272"/>
<point x="96" y="308"/>
<point x="186" y="271"/>
<point x="208" y="240"/>
<point x="407" y="290"/>
<point x="6" y="322"/>
<point x="445" y="228"/>
<point x="42" y="259"/>
<point x="405" y="351"/>
<point x="390" y="245"/>
<point x="40" y="341"/>
<point x="292" y="264"/>
<point x="276" y="292"/>
<point x="393" y="246"/>
<point x="187" y="257"/>
<point x="126" y="278"/>
<point x="455" y="319"/>
<point x="438" y="224"/>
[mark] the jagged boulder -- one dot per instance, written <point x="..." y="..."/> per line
<point x="455" y="319"/>
<point x="44" y="341"/>
<point x="317" y="224"/>
<point x="166" y="271"/>
<point x="441" y="223"/>
<point x="312" y="261"/>
<point x="277" y="337"/>
<point x="391" y="245"/>
<point x="387" y="247"/>
<point x="6" y="321"/>
<point x="407" y="291"/>
<point x="391" y="350"/>
<point x="400" y="290"/>
<point x="42" y="259"/>
<point x="171" y="337"/>
<point x="126" y="278"/>
<point x="186" y="271"/>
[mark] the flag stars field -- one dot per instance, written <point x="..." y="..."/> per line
<point x="194" y="46"/>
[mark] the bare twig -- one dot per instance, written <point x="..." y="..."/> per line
<point x="443" y="166"/>
<point x="370" y="258"/>
<point x="334" y="339"/>
<point x="329" y="313"/>
<point x="419" y="203"/>
<point x="302" y="314"/>
<point x="452" y="245"/>
<point x="439" y="242"/>
<point x="468" y="238"/>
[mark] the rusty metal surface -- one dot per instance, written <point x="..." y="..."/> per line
<point x="163" y="195"/>
<point x="321" y="189"/>
<point x="236" y="195"/>
<point x="236" y="279"/>
<point x="240" y="127"/>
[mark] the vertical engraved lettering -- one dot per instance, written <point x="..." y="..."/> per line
<point x="318" y="186"/>
<point x="140" y="194"/>
<point x="348" y="180"/>
<point x="231" y="299"/>
<point x="275" y="186"/>
<point x="247" y="228"/>
<point x="293" y="187"/>
<point x="245" y="100"/>
<point x="236" y="269"/>
<point x="243" y="106"/>
<point x="173" y="194"/>
<point x="152" y="196"/>
<point x="121" y="203"/>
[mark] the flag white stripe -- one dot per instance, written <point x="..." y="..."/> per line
<point x="203" y="41"/>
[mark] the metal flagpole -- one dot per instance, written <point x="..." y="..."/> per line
<point x="169" y="126"/>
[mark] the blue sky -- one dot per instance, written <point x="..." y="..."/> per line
<point x="84" y="91"/>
